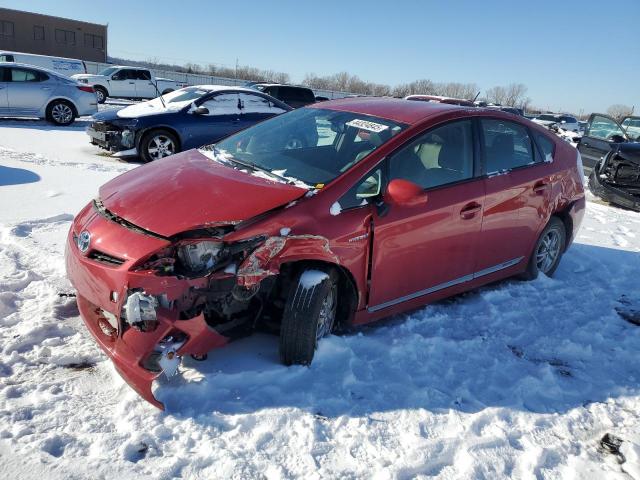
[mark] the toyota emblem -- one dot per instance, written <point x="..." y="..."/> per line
<point x="84" y="239"/>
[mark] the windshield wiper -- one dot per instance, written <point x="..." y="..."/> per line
<point x="251" y="166"/>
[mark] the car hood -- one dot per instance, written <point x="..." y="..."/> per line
<point x="189" y="191"/>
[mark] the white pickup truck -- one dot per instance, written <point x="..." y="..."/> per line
<point x="127" y="82"/>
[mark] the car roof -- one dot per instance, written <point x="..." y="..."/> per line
<point x="395" y="109"/>
<point x="33" y="67"/>
<point x="222" y="88"/>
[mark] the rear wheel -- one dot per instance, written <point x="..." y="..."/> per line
<point x="158" y="144"/>
<point x="61" y="112"/>
<point x="548" y="250"/>
<point x="101" y="94"/>
<point x="309" y="315"/>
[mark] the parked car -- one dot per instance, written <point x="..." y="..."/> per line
<point x="180" y="120"/>
<point x="292" y="95"/>
<point x="128" y="82"/>
<point x="32" y="92"/>
<point x="566" y="122"/>
<point x="61" y="65"/>
<point x="504" y="108"/>
<point x="388" y="209"/>
<point x="438" y="99"/>
<point x="612" y="149"/>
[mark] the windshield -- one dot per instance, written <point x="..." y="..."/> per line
<point x="108" y="71"/>
<point x="310" y="145"/>
<point x="188" y="94"/>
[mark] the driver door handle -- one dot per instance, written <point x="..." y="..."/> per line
<point x="470" y="210"/>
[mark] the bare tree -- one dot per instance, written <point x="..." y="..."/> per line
<point x="619" y="111"/>
<point x="496" y="95"/>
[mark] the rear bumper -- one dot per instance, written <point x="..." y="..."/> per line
<point x="611" y="193"/>
<point x="132" y="351"/>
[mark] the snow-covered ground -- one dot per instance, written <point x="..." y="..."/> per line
<point x="516" y="380"/>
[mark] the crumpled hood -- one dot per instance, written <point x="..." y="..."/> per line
<point x="188" y="191"/>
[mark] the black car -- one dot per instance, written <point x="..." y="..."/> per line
<point x="181" y="120"/>
<point x="612" y="150"/>
<point x="292" y="95"/>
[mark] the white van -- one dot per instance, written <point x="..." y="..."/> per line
<point x="63" y="66"/>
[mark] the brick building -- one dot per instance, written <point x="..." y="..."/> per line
<point x="47" y="35"/>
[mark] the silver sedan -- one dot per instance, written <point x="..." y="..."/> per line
<point x="34" y="92"/>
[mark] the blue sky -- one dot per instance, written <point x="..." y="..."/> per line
<point x="572" y="55"/>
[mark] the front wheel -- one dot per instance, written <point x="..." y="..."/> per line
<point x="61" y="112"/>
<point x="309" y="315"/>
<point x="158" y="144"/>
<point x="548" y="250"/>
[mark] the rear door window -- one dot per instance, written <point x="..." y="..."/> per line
<point x="252" y="103"/>
<point x="143" y="75"/>
<point x="507" y="145"/>
<point x="25" y="75"/>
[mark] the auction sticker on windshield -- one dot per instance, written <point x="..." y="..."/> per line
<point x="367" y="125"/>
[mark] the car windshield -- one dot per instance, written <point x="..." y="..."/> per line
<point x="309" y="145"/>
<point x="188" y="94"/>
<point x="108" y="71"/>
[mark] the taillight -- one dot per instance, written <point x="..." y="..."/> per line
<point x="86" y="88"/>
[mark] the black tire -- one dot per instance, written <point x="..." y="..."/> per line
<point x="152" y="140"/>
<point x="61" y="112"/>
<point x="299" y="332"/>
<point x="101" y="94"/>
<point x="555" y="229"/>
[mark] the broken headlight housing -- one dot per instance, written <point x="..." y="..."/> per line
<point x="201" y="256"/>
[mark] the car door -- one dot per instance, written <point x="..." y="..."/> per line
<point x="123" y="83"/>
<point x="145" y="87"/>
<point x="222" y="119"/>
<point x="429" y="246"/>
<point x="517" y="193"/>
<point x="28" y="90"/>
<point x="255" y="108"/>
<point x="4" y="89"/>
<point x="598" y="138"/>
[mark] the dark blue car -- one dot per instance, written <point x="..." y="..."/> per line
<point x="181" y="120"/>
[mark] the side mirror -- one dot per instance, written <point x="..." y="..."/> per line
<point x="576" y="139"/>
<point x="404" y="192"/>
<point x="201" y="110"/>
<point x="617" y="138"/>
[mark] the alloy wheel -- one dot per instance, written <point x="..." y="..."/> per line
<point x="548" y="251"/>
<point x="62" y="113"/>
<point x="327" y="314"/>
<point x="161" y="146"/>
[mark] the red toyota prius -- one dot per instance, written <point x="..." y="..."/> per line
<point x="322" y="218"/>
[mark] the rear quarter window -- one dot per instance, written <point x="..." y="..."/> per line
<point x="545" y="145"/>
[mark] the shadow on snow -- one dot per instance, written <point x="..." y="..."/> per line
<point x="16" y="176"/>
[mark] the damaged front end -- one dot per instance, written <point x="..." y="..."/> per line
<point x="118" y="137"/>
<point x="168" y="297"/>
<point x="616" y="178"/>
